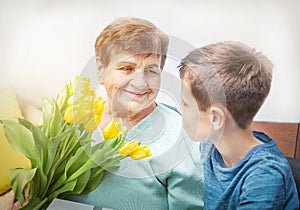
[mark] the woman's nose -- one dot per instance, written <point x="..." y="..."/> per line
<point x="139" y="80"/>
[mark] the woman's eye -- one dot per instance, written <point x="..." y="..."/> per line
<point x="126" y="68"/>
<point x="153" y="71"/>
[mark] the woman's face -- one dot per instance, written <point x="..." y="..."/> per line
<point x="132" y="82"/>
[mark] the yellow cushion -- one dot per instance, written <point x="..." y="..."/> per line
<point x="9" y="158"/>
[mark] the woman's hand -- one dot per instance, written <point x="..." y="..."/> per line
<point x="8" y="201"/>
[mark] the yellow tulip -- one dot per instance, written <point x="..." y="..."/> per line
<point x="141" y="152"/>
<point x="81" y="115"/>
<point x="62" y="97"/>
<point x="72" y="85"/>
<point x="113" y="129"/>
<point x="70" y="89"/>
<point x="68" y="116"/>
<point x="82" y="106"/>
<point x="75" y="80"/>
<point x="129" y="147"/>
<point x="92" y="123"/>
<point x="86" y="96"/>
<point x="60" y="100"/>
<point x="81" y="85"/>
<point x="99" y="106"/>
<point x="95" y="120"/>
<point x="75" y="115"/>
<point x="70" y="100"/>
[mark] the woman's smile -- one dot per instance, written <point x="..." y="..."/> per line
<point x="137" y="94"/>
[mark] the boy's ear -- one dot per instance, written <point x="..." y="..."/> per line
<point x="217" y="117"/>
<point x="100" y="68"/>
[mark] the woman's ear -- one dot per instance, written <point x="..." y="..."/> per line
<point x="217" y="117"/>
<point x="100" y="68"/>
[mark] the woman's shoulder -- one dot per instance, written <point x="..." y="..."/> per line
<point x="169" y="111"/>
<point x="170" y="107"/>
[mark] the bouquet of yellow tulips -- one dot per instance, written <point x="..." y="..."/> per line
<point x="63" y="157"/>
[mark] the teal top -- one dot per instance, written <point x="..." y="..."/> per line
<point x="171" y="179"/>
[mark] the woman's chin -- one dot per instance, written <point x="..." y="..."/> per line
<point x="136" y="107"/>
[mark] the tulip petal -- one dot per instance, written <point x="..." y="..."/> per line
<point x="113" y="129"/>
<point x="129" y="147"/>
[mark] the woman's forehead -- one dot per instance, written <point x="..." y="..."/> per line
<point x="136" y="58"/>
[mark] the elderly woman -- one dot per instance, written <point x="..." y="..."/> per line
<point x="130" y="55"/>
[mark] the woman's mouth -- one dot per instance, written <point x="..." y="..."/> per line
<point x="138" y="94"/>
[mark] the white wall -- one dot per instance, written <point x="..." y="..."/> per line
<point x="45" y="43"/>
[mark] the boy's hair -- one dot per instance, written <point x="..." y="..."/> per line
<point x="231" y="68"/>
<point x="131" y="35"/>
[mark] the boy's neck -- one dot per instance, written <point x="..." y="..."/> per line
<point x="235" y="144"/>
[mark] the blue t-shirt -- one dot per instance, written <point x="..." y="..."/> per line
<point x="262" y="180"/>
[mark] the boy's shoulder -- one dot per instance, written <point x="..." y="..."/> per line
<point x="269" y="150"/>
<point x="267" y="155"/>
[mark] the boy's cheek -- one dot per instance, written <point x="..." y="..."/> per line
<point x="189" y="126"/>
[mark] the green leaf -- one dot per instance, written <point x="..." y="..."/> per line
<point x="101" y="154"/>
<point x="34" y="186"/>
<point x="41" y="140"/>
<point x="69" y="186"/>
<point x="55" y="121"/>
<point x="47" y="114"/>
<point x="113" y="163"/>
<point x="57" y="184"/>
<point x="53" y="145"/>
<point x="38" y="185"/>
<point x="72" y="167"/>
<point x="82" y="181"/>
<point x="102" y="151"/>
<point x="80" y="158"/>
<point x="69" y="145"/>
<point x="36" y="204"/>
<point x="19" y="178"/>
<point x="43" y="186"/>
<point x="95" y="179"/>
<point x="26" y="123"/>
<point x="60" y="169"/>
<point x="121" y="140"/>
<point x="106" y="153"/>
<point x="21" y="139"/>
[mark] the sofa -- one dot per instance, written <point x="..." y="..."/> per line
<point x="295" y="166"/>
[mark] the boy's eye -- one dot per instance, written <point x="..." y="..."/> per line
<point x="183" y="103"/>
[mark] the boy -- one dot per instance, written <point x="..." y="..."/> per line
<point x="223" y="86"/>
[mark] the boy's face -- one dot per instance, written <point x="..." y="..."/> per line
<point x="195" y="122"/>
<point x="132" y="82"/>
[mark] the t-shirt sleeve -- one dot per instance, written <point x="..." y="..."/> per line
<point x="263" y="189"/>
